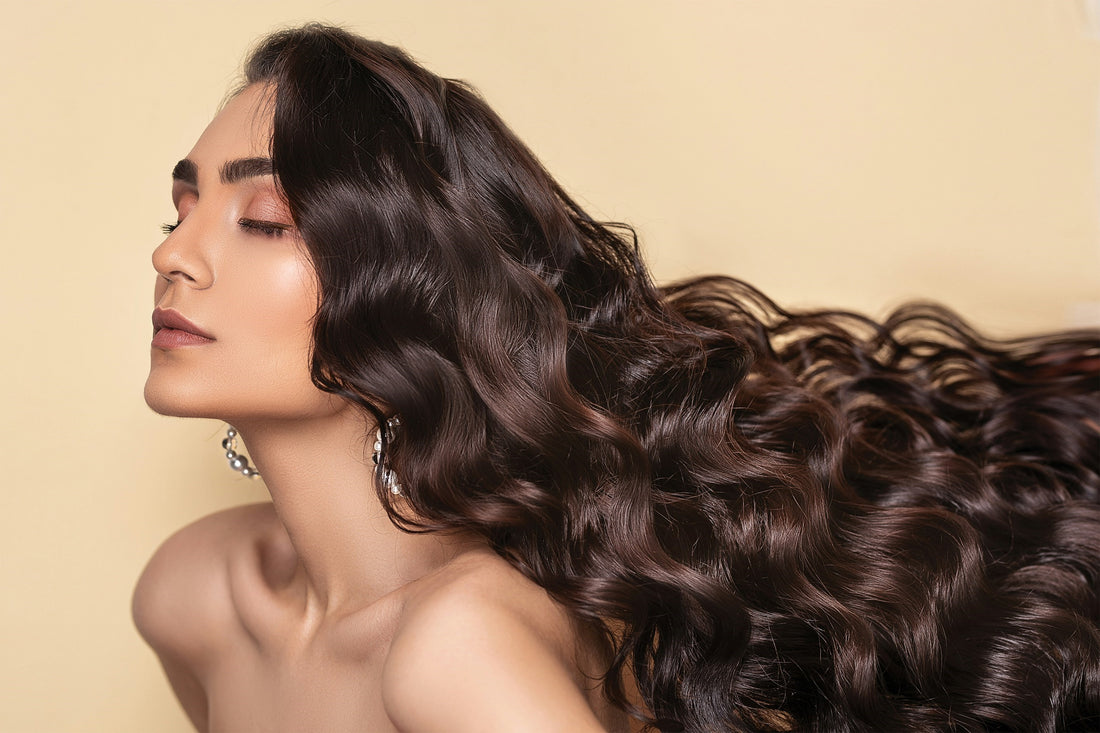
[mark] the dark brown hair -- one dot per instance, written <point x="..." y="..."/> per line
<point x="776" y="521"/>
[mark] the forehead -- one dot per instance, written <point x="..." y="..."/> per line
<point x="242" y="129"/>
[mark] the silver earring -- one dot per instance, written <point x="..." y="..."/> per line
<point x="237" y="461"/>
<point x="386" y="474"/>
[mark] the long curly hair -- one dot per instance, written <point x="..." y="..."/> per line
<point x="773" y="520"/>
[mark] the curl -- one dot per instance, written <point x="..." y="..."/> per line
<point x="774" y="520"/>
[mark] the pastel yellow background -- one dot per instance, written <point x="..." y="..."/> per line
<point x="851" y="152"/>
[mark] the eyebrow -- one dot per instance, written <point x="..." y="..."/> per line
<point x="232" y="171"/>
<point x="187" y="172"/>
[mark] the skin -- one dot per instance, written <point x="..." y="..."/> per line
<point x="313" y="612"/>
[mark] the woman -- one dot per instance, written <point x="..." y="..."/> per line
<point x="597" y="503"/>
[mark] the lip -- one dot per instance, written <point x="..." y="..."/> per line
<point x="172" y="330"/>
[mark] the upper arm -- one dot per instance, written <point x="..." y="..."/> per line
<point x="463" y="664"/>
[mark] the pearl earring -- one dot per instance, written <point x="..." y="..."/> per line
<point x="237" y="461"/>
<point x="386" y="474"/>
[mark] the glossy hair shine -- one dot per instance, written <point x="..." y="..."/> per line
<point x="776" y="521"/>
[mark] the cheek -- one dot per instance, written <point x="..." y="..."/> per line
<point x="275" y="310"/>
<point x="282" y="300"/>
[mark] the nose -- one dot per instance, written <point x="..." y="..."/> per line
<point x="181" y="257"/>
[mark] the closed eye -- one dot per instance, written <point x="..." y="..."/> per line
<point x="267" y="228"/>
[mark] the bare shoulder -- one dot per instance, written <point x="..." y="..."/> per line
<point x="480" y="647"/>
<point x="183" y="602"/>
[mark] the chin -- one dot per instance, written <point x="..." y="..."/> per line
<point x="169" y="400"/>
<point x="163" y="405"/>
<point x="175" y="396"/>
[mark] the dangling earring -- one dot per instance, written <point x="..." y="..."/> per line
<point x="237" y="461"/>
<point x="386" y="474"/>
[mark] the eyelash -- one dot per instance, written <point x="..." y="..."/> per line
<point x="267" y="228"/>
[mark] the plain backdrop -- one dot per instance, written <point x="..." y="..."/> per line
<point x="851" y="153"/>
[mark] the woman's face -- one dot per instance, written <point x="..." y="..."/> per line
<point x="235" y="290"/>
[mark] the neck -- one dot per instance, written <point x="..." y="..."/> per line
<point x="322" y="483"/>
